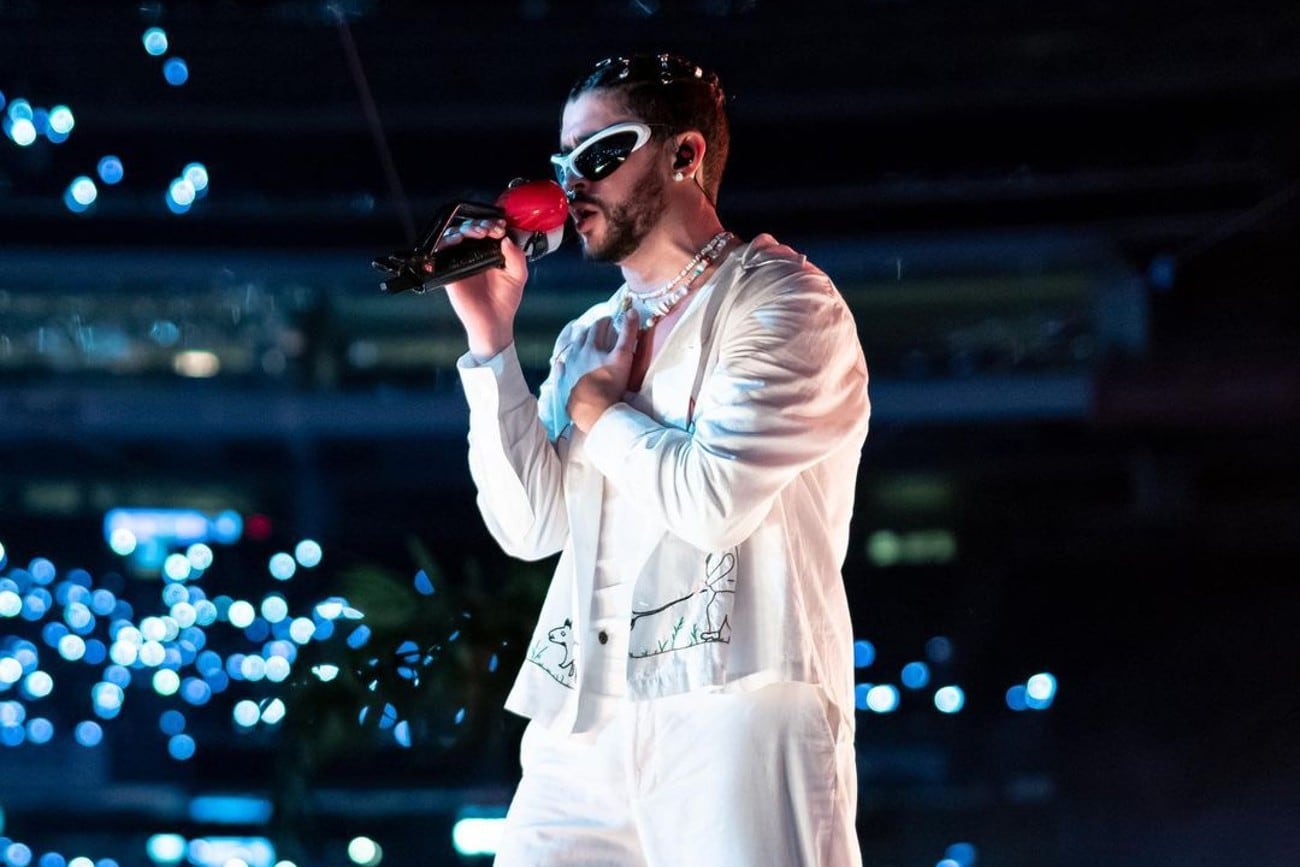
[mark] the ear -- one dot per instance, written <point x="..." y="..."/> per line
<point x="688" y="157"/>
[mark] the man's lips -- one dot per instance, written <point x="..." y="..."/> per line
<point x="582" y="212"/>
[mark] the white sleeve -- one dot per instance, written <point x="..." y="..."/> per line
<point x="512" y="460"/>
<point x="788" y="389"/>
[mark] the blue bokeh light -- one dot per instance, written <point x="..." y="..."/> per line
<point x="196" y="691"/>
<point x="197" y="176"/>
<point x="106" y="696"/>
<point x="199" y="555"/>
<point x="246" y="713"/>
<point x="302" y="629"/>
<point x="38" y="684"/>
<point x="272" y="712"/>
<point x="227" y="527"/>
<point x="166" y="682"/>
<point x="22" y="131"/>
<point x="61" y="120"/>
<point x="949" y="699"/>
<point x="20" y="109"/>
<point x="252" y="668"/>
<point x="39" y="730"/>
<point x="18" y="855"/>
<point x="155" y="41"/>
<point x="35" y="605"/>
<point x="72" y="647"/>
<point x="110" y="169"/>
<point x="165" y="848"/>
<point x="1040" y="691"/>
<point x="307" y="553"/>
<point x="915" y="675"/>
<point x="12" y="713"/>
<point x="423" y="585"/>
<point x="174" y="206"/>
<point x="864" y="653"/>
<point x="181" y="747"/>
<point x="176" y="71"/>
<point x="882" y="698"/>
<point x="275" y="608"/>
<point x="962" y="854"/>
<point x="78" y="616"/>
<point x="282" y="566"/>
<point x="278" y="669"/>
<point x="171" y="722"/>
<point x="53" y="633"/>
<point x="11" y="670"/>
<point x="177" y="567"/>
<point x="89" y="733"/>
<point x="939" y="650"/>
<point x="96" y="652"/>
<point x="10" y="603"/>
<point x="241" y="614"/>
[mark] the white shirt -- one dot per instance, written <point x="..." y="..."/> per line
<point x="743" y="492"/>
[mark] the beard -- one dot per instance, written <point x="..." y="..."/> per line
<point x="629" y="222"/>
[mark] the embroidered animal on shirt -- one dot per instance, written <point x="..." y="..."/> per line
<point x="698" y="617"/>
<point x="559" y="665"/>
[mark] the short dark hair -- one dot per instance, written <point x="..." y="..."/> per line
<point x="673" y="95"/>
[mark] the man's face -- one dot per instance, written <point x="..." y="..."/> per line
<point x="613" y="216"/>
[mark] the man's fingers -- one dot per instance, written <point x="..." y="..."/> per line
<point x="606" y="338"/>
<point x="486" y="228"/>
<point x="627" y="335"/>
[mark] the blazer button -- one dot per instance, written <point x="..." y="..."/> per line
<point x="603" y="636"/>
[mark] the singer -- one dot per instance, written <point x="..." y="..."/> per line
<point x="692" y="457"/>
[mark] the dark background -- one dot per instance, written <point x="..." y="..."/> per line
<point x="1068" y="233"/>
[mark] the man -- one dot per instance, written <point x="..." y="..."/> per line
<point x="692" y="457"/>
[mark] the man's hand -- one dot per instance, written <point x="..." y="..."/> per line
<point x="486" y="302"/>
<point x="598" y="363"/>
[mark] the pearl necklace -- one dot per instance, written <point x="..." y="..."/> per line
<point x="653" y="306"/>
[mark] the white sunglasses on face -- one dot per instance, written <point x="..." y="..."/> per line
<point x="602" y="153"/>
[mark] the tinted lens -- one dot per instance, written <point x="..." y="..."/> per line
<point x="600" y="158"/>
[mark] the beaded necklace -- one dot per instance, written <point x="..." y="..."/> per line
<point x="655" y="305"/>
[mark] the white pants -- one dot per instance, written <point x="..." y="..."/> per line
<point x="750" y="779"/>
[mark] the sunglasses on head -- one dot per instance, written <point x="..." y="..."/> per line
<point x="602" y="153"/>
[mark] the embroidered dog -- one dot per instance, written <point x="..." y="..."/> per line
<point x="561" y="665"/>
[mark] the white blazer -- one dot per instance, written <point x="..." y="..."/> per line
<point x="741" y="453"/>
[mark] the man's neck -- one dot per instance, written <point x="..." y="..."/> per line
<point x="670" y="245"/>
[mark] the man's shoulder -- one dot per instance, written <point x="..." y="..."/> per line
<point x="765" y="251"/>
<point x="766" y="266"/>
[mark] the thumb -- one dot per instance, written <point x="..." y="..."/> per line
<point x="516" y="263"/>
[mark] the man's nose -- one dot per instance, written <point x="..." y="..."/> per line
<point x="571" y="183"/>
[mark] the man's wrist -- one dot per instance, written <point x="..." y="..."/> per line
<point x="485" y="347"/>
<point x="585" y="413"/>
